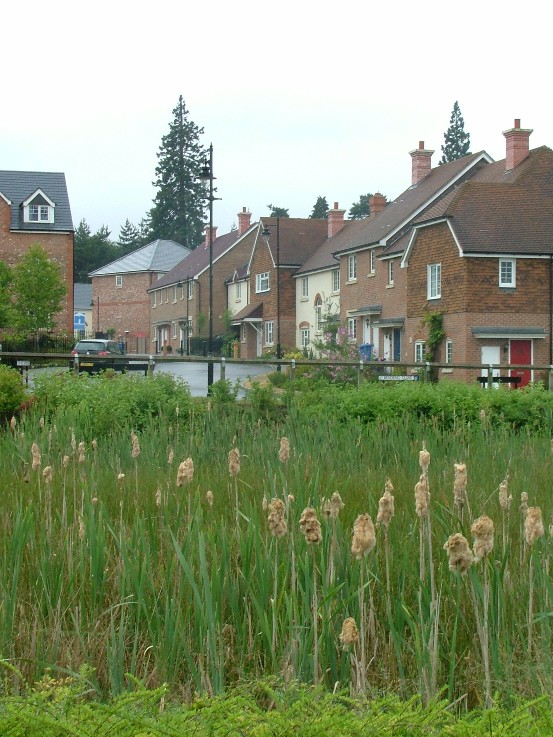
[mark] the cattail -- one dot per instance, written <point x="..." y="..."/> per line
<point x="94" y="500"/>
<point x="73" y="441"/>
<point x="170" y="457"/>
<point x="120" y="477"/>
<point x="291" y="498"/>
<point x="336" y="505"/>
<point x="158" y="497"/>
<point x="523" y="504"/>
<point x="505" y="498"/>
<point x="135" y="452"/>
<point x="364" y="539"/>
<point x="41" y="423"/>
<point x="65" y="461"/>
<point x="388" y="486"/>
<point x="277" y="523"/>
<point x="234" y="462"/>
<point x="310" y="525"/>
<point x="483" y="416"/>
<point x="349" y="634"/>
<point x="551" y="526"/>
<point x="209" y="498"/>
<point x="460" y="555"/>
<point x="385" y="507"/>
<point x="81" y="528"/>
<point x="177" y="410"/>
<point x="13" y="424"/>
<point x="185" y="472"/>
<point x="35" y="452"/>
<point x="422" y="497"/>
<point x="81" y="452"/>
<point x="460" y="484"/>
<point x="482" y="531"/>
<point x="264" y="503"/>
<point x="284" y="452"/>
<point x="533" y="525"/>
<point x="94" y="444"/>
<point x="47" y="474"/>
<point x="424" y="459"/>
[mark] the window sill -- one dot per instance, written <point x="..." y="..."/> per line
<point x="351" y="281"/>
<point x="370" y="275"/>
<point x="304" y="299"/>
<point x="433" y="299"/>
<point x="389" y="286"/>
<point x="447" y="371"/>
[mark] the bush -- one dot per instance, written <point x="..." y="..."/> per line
<point x="12" y="392"/>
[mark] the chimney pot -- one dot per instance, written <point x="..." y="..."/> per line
<point x="335" y="219"/>
<point x="517" y="145"/>
<point x="421" y="163"/>
<point x="244" y="220"/>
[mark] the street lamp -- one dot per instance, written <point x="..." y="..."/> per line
<point x="206" y="174"/>
<point x="266" y="233"/>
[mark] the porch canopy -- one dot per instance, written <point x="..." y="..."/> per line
<point x="252" y="314"/>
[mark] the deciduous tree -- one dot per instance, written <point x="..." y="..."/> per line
<point x="37" y="289"/>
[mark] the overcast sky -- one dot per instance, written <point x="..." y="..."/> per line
<point x="299" y="98"/>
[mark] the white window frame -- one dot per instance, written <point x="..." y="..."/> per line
<point x="352" y="328"/>
<point x="391" y="266"/>
<point x="372" y="261"/>
<point x="238" y="291"/>
<point x="175" y="297"/>
<point x="174" y="324"/>
<point x="154" y="300"/>
<point x="420" y="347"/>
<point x="352" y="267"/>
<point x="304" y="287"/>
<point x="118" y="281"/>
<point x="262" y="282"/>
<point x="336" y="281"/>
<point x="511" y="284"/>
<point x="38" y="213"/>
<point x="190" y="290"/>
<point x="243" y="332"/>
<point x="269" y="332"/>
<point x="166" y="295"/>
<point x="434" y="281"/>
<point x="319" y="315"/>
<point x="449" y="350"/>
<point x="305" y="337"/>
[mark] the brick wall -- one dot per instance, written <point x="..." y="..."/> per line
<point x="122" y="308"/>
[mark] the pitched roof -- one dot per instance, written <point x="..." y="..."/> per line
<point x="503" y="212"/>
<point x="197" y="261"/>
<point x="159" y="255"/>
<point x="18" y="186"/>
<point x="298" y="238"/>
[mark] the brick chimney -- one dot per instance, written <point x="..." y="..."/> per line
<point x="213" y="234"/>
<point x="244" y="220"/>
<point x="518" y="145"/>
<point x="335" y="219"/>
<point x="377" y="203"/>
<point x="421" y="162"/>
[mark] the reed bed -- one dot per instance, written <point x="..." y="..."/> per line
<point x="216" y="548"/>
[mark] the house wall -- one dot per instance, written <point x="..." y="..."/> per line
<point x="235" y="303"/>
<point x="319" y="283"/>
<point x="125" y="308"/>
<point x="59" y="248"/>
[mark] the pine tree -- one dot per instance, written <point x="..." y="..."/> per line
<point x="180" y="201"/>
<point x="320" y="208"/>
<point x="457" y="142"/>
<point x="278" y="212"/>
<point x="91" y="251"/>
<point x="360" y="209"/>
<point x="129" y="237"/>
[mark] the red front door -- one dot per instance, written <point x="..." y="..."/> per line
<point x="521" y="352"/>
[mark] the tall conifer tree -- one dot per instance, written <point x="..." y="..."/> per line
<point x="457" y="142"/>
<point x="180" y="201"/>
<point x="320" y="208"/>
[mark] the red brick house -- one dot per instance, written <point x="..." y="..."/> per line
<point x="120" y="292"/>
<point x="483" y="257"/>
<point x="34" y="210"/>
<point x="280" y="247"/>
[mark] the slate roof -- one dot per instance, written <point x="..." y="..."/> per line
<point x="197" y="261"/>
<point x="503" y="212"/>
<point x="18" y="186"/>
<point x="158" y="256"/>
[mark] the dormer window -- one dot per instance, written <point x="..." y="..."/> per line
<point x="38" y="208"/>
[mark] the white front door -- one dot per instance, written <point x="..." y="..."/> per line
<point x="387" y="346"/>
<point x="366" y="331"/>
<point x="376" y="341"/>
<point x="491" y="354"/>
<point x="259" y="345"/>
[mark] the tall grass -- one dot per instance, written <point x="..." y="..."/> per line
<point x="113" y="564"/>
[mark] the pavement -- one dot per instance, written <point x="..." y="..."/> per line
<point x="195" y="374"/>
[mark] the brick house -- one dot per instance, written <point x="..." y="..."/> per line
<point x="179" y="301"/>
<point x="280" y="247"/>
<point x="119" y="292"/>
<point x="483" y="257"/>
<point x="35" y="210"/>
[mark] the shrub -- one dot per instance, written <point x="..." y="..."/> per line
<point x="12" y="392"/>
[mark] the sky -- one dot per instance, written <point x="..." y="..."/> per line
<point x="299" y="98"/>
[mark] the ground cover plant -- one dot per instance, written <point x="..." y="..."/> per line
<point x="191" y="545"/>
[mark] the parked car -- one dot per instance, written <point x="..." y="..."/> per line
<point x="99" y="354"/>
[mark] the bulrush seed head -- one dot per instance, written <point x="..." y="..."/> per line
<point x="13" y="424"/>
<point x="135" y="452"/>
<point x="158" y="497"/>
<point x="185" y="473"/>
<point x="65" y="461"/>
<point x="81" y="452"/>
<point x="310" y="526"/>
<point x="385" y="508"/>
<point x="364" y="539"/>
<point x="424" y="458"/>
<point x="234" y="462"/>
<point x="277" y="523"/>
<point x="120" y="477"/>
<point x="388" y="486"/>
<point x="336" y="505"/>
<point x="94" y="444"/>
<point x="170" y="457"/>
<point x="482" y="531"/>
<point x="505" y="498"/>
<point x="284" y="451"/>
<point x="523" y="503"/>
<point x="533" y="525"/>
<point x="209" y="498"/>
<point x="459" y="484"/>
<point x="422" y="497"/>
<point x="47" y="474"/>
<point x="349" y="634"/>
<point x="35" y="452"/>
<point x="459" y="552"/>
